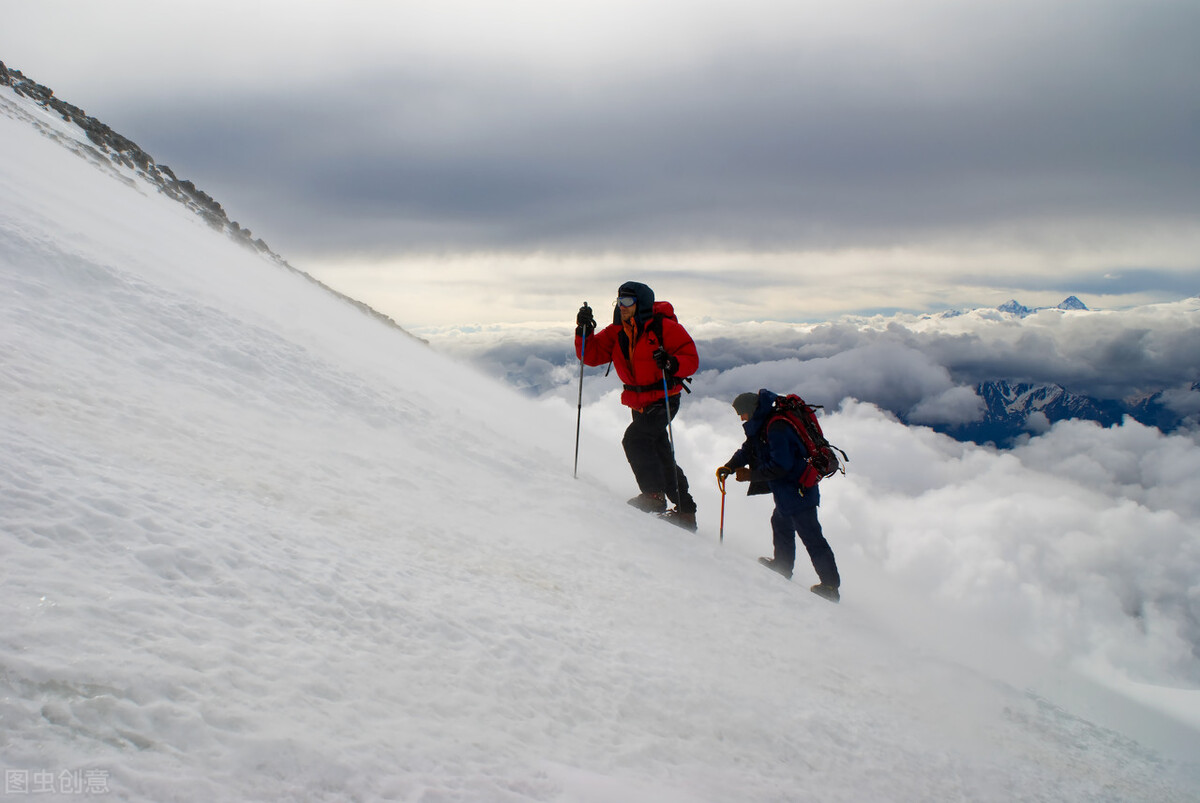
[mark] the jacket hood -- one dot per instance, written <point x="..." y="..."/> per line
<point x="758" y="419"/>
<point x="645" y="301"/>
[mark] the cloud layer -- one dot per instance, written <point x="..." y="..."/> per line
<point x="1082" y="542"/>
<point x="1077" y="538"/>
<point x="922" y="368"/>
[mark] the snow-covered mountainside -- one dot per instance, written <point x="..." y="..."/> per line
<point x="92" y="140"/>
<point x="117" y="155"/>
<point x="258" y="545"/>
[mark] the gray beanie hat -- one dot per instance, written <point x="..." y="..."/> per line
<point x="745" y="403"/>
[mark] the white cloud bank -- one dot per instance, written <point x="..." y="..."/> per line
<point x="1082" y="540"/>
<point x="923" y="368"/>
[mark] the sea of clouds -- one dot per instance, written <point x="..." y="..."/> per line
<point x="1081" y="540"/>
<point x="923" y="368"/>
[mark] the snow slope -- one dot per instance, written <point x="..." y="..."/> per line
<point x="258" y="545"/>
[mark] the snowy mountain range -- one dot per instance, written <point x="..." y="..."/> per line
<point x="256" y="545"/>
<point x="1014" y="307"/>
<point x="1012" y="408"/>
<point x="1017" y="409"/>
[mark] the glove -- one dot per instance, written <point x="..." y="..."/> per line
<point x="666" y="363"/>
<point x="742" y="475"/>
<point x="584" y="321"/>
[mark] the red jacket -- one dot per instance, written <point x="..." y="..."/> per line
<point x="636" y="367"/>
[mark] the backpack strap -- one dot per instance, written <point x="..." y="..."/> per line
<point x="654" y="326"/>
<point x="779" y="416"/>
<point x="809" y="476"/>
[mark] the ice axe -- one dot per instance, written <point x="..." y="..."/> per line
<point x="722" y="473"/>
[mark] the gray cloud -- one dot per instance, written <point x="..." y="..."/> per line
<point x="773" y="160"/>
<point x="792" y="145"/>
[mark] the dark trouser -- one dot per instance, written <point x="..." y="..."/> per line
<point x="648" y="450"/>
<point x="785" y="526"/>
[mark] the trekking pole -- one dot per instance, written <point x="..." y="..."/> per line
<point x="579" y="409"/>
<point x="721" y="485"/>
<point x="671" y="439"/>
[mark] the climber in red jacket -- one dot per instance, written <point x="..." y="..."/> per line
<point x="646" y="344"/>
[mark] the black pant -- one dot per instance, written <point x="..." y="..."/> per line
<point x="648" y="449"/>
<point x="785" y="526"/>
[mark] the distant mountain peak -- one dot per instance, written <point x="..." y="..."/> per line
<point x="1071" y="302"/>
<point x="1014" y="307"/>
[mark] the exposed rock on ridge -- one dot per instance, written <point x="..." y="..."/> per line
<point x="112" y="150"/>
<point x="123" y="151"/>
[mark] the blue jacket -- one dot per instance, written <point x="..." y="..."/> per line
<point x="776" y="458"/>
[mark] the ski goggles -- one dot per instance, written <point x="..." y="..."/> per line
<point x="625" y="301"/>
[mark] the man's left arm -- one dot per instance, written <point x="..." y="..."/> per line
<point x="681" y="347"/>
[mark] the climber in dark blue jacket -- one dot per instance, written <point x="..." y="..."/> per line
<point x="772" y="459"/>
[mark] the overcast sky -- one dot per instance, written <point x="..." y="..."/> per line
<point x="455" y="162"/>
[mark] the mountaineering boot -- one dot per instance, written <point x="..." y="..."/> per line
<point x="651" y="503"/>
<point x="829" y="592"/>
<point x="680" y="519"/>
<point x="775" y="566"/>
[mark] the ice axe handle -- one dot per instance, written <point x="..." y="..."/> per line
<point x="721" y="475"/>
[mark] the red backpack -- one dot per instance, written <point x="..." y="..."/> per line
<point x="822" y="455"/>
